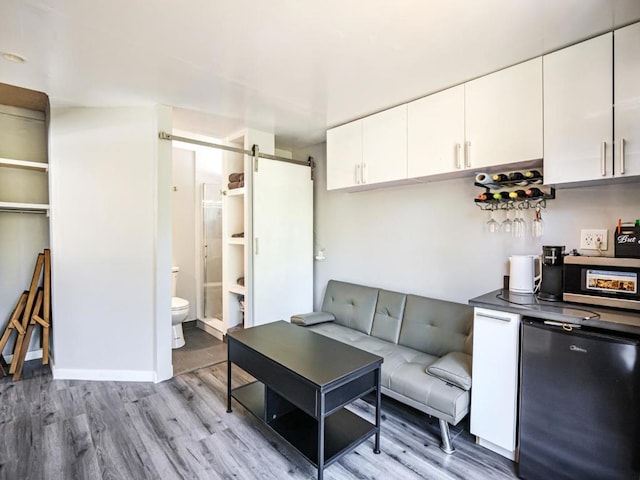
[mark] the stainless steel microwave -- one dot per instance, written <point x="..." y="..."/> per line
<point x="604" y="281"/>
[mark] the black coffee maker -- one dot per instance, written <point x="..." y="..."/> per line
<point x="552" y="266"/>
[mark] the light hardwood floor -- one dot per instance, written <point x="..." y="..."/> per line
<point x="58" y="429"/>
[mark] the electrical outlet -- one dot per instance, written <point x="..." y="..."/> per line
<point x="591" y="238"/>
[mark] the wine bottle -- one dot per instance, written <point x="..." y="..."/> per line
<point x="516" y="194"/>
<point x="483" y="197"/>
<point x="485" y="180"/>
<point x="501" y="195"/>
<point x="534" y="192"/>
<point x="516" y="176"/>
<point x="533" y="175"/>
<point x="500" y="177"/>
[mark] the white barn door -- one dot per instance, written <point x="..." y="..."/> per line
<point x="282" y="280"/>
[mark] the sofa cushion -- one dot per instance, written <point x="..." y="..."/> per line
<point x="411" y="381"/>
<point x="394" y="355"/>
<point x="388" y="315"/>
<point x="312" y="318"/>
<point x="352" y="305"/>
<point x="404" y="371"/>
<point x="454" y="367"/>
<point x="339" y="332"/>
<point x="436" y="327"/>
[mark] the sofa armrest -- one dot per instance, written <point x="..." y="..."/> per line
<point x="454" y="368"/>
<point x="307" y="319"/>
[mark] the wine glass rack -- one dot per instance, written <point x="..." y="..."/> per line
<point x="514" y="190"/>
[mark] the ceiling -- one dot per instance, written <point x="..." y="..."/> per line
<point x="294" y="67"/>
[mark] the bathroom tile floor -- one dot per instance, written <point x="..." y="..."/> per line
<point x="200" y="350"/>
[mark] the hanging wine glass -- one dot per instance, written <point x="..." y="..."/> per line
<point x="507" y="224"/>
<point x="492" y="225"/>
<point x="537" y="226"/>
<point x="519" y="225"/>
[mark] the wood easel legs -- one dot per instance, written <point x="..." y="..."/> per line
<point x="26" y="316"/>
<point x="34" y="306"/>
<point x="14" y="324"/>
<point x="18" y="359"/>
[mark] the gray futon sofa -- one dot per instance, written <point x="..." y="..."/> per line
<point x="426" y="345"/>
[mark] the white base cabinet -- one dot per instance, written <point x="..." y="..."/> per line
<point x="494" y="396"/>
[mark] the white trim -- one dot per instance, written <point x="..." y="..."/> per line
<point x="210" y="329"/>
<point x="31" y="355"/>
<point x="511" y="455"/>
<point x="104" y="375"/>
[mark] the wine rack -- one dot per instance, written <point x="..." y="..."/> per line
<point x="513" y="190"/>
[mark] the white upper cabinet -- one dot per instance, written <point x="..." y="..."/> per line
<point x="503" y="116"/>
<point x="384" y="146"/>
<point x="344" y="155"/>
<point x="369" y="151"/>
<point x="436" y="133"/>
<point x="627" y="101"/>
<point x="494" y="120"/>
<point x="578" y="127"/>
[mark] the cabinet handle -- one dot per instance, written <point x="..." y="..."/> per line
<point x="364" y="173"/>
<point x="494" y="317"/>
<point x="603" y="158"/>
<point x="458" y="158"/>
<point x="467" y="154"/>
<point x="622" y="156"/>
<point x="358" y="174"/>
<point x="256" y="245"/>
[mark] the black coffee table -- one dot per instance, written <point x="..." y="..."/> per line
<point x="304" y="381"/>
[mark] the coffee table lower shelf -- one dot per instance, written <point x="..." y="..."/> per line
<point x="344" y="430"/>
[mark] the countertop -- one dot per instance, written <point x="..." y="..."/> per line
<point x="587" y="315"/>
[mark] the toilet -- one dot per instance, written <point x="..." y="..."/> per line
<point x="179" y="311"/>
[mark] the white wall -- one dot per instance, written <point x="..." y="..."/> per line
<point x="429" y="239"/>
<point x="110" y="243"/>
<point x="183" y="212"/>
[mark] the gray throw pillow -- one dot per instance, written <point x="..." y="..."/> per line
<point x="306" y="319"/>
<point x="454" y="368"/>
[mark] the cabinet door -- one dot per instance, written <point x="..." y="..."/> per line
<point x="384" y="143"/>
<point x="436" y="133"/>
<point x="344" y="155"/>
<point x="495" y="377"/>
<point x="578" y="126"/>
<point x="282" y="275"/>
<point x="503" y="116"/>
<point x="627" y="101"/>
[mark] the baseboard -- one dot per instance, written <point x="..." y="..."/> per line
<point x="31" y="355"/>
<point x="103" y="375"/>
<point x="210" y="330"/>
<point x="510" y="454"/>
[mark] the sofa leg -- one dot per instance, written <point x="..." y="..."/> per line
<point x="446" y="445"/>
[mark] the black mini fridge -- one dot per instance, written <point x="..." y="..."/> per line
<point x="579" y="404"/>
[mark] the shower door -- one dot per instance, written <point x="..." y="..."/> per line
<point x="212" y="250"/>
